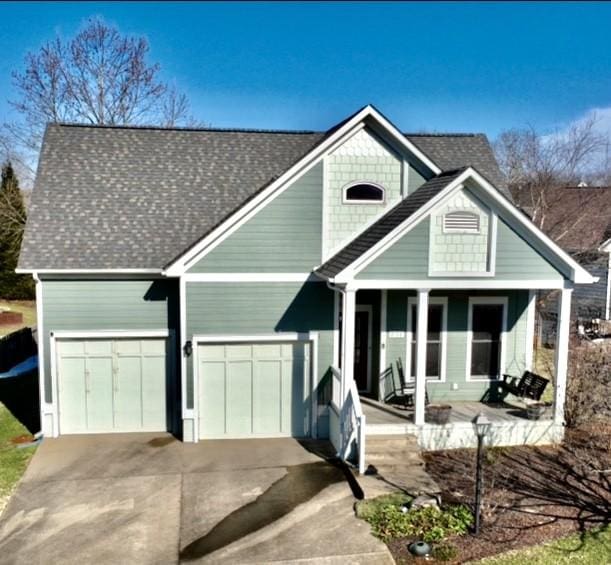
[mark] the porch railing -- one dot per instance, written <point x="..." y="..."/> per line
<point x="352" y="420"/>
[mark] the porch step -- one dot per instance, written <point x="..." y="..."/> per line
<point x="398" y="462"/>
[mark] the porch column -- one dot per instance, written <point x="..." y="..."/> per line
<point x="562" y="353"/>
<point x="421" y="336"/>
<point x="348" y="315"/>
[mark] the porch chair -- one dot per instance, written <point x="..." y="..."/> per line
<point x="530" y="385"/>
<point x="406" y="390"/>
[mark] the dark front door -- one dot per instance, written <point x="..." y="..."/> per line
<point x="361" y="350"/>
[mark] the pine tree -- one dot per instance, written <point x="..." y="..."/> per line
<point x="12" y="224"/>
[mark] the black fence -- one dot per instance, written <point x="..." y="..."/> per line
<point x="16" y="347"/>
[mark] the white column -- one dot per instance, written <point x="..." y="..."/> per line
<point x="348" y="315"/>
<point x="530" y="329"/>
<point x="382" y="368"/>
<point x="562" y="353"/>
<point x="421" y="335"/>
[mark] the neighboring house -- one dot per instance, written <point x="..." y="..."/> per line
<point x="239" y="283"/>
<point x="579" y="220"/>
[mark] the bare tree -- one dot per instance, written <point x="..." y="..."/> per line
<point x="97" y="77"/>
<point x="537" y="166"/>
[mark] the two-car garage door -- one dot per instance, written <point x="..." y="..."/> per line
<point x="112" y="385"/>
<point x="253" y="389"/>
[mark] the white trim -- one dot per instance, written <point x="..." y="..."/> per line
<point x="492" y="238"/>
<point x="248" y="277"/>
<point x="369" y="309"/>
<point x="336" y="332"/>
<point x="608" y="301"/>
<point x="352" y="184"/>
<point x="606" y="246"/>
<point x="456" y="284"/>
<point x="474" y="300"/>
<point x="421" y="335"/>
<point x="109" y="334"/>
<point x="383" y="338"/>
<point x="243" y="214"/>
<point x="404" y="178"/>
<point x="438" y="300"/>
<point x="562" y="353"/>
<point x="86" y="271"/>
<point x="45" y="408"/>
<point x="324" y="236"/>
<point x="530" y="330"/>
<point x="309" y="337"/>
<point x="579" y="274"/>
<point x="60" y="335"/>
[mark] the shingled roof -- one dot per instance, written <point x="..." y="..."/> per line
<point x="136" y="198"/>
<point x="387" y="223"/>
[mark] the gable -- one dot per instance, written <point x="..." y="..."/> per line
<point x="284" y="236"/>
<point x="499" y="252"/>
<point x="363" y="158"/>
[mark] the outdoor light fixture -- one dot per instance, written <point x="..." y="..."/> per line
<point x="482" y="427"/>
<point x="188" y="348"/>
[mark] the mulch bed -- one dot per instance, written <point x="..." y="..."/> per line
<point x="531" y="494"/>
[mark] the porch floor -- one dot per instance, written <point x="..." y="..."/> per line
<point x="462" y="411"/>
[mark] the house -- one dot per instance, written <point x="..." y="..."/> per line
<point x="239" y="283"/>
<point x="579" y="219"/>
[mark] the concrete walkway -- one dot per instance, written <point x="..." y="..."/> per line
<point x="148" y="498"/>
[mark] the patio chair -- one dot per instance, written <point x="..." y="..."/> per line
<point x="405" y="390"/>
<point x="530" y="385"/>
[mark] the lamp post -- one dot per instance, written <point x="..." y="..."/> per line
<point x="482" y="427"/>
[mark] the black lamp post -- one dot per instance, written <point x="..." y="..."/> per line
<point x="482" y="427"/>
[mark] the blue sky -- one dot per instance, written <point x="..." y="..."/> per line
<point x="427" y="66"/>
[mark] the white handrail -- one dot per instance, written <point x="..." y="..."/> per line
<point x="352" y="419"/>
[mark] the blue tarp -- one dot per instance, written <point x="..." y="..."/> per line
<point x="23" y="368"/>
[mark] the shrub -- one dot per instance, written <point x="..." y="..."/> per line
<point x="430" y="524"/>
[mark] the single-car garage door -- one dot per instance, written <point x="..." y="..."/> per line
<point x="116" y="385"/>
<point x="253" y="389"/>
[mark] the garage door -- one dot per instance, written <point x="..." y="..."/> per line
<point x="253" y="389"/>
<point x="111" y="385"/>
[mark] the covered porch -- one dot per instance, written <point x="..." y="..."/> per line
<point x="372" y="410"/>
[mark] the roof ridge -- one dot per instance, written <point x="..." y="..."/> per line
<point x="443" y="134"/>
<point x="185" y="128"/>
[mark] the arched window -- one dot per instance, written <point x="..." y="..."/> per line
<point x="461" y="222"/>
<point x="364" y="192"/>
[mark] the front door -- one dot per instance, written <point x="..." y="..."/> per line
<point x="362" y="357"/>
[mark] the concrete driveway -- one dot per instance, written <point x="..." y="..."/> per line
<point x="148" y="498"/>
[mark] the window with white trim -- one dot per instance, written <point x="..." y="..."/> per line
<point x="487" y="321"/>
<point x="461" y="222"/>
<point x="435" y="340"/>
<point x="364" y="193"/>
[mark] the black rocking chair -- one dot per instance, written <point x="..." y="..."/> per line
<point x="405" y="390"/>
<point x="530" y="385"/>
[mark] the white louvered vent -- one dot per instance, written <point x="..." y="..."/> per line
<point x="463" y="222"/>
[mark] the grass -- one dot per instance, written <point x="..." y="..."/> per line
<point x="593" y="547"/>
<point x="26" y="307"/>
<point x="13" y="460"/>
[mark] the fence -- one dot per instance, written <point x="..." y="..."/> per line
<point x="15" y="348"/>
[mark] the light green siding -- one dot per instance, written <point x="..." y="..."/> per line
<point x="284" y="236"/>
<point x="406" y="259"/>
<point x="362" y="158"/>
<point x="516" y="259"/>
<point x="459" y="252"/>
<point x="106" y="305"/>
<point x="456" y="368"/>
<point x="261" y="309"/>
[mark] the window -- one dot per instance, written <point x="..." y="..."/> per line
<point x="487" y="323"/>
<point x="364" y="193"/>
<point x="461" y="222"/>
<point x="435" y="342"/>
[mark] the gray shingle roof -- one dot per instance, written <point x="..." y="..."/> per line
<point x="387" y="223"/>
<point x="122" y="197"/>
<point x="136" y="198"/>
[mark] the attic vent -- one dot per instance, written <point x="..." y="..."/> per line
<point x="462" y="222"/>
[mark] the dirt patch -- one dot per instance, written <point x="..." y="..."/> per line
<point x="25" y="438"/>
<point x="161" y="441"/>
<point x="532" y="494"/>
